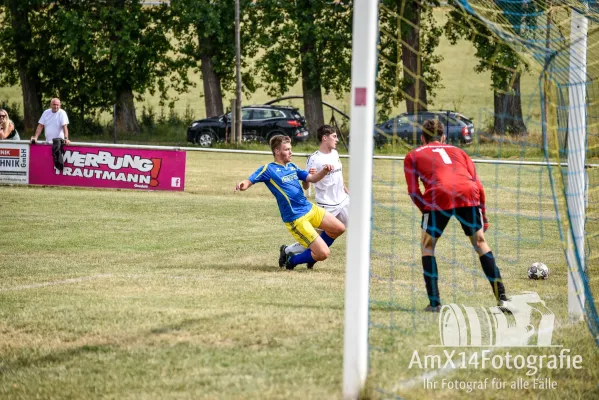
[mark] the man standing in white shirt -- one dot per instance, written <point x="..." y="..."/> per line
<point x="331" y="192"/>
<point x="54" y="121"/>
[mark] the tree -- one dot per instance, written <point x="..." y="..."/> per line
<point x="408" y="40"/>
<point x="18" y="57"/>
<point x="310" y="39"/>
<point x="97" y="53"/>
<point x="501" y="60"/>
<point x="113" y="49"/>
<point x="205" y="31"/>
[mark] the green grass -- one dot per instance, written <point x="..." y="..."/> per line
<point x="179" y="295"/>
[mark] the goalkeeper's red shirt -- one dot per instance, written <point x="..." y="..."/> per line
<point x="448" y="175"/>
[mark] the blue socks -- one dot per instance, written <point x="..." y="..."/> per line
<point x="306" y="256"/>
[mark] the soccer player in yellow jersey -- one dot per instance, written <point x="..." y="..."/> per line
<point x="299" y="215"/>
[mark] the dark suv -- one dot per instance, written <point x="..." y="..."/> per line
<point x="408" y="127"/>
<point x="259" y="123"/>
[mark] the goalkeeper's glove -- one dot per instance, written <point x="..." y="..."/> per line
<point x="485" y="220"/>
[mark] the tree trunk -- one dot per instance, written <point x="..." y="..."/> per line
<point x="126" y="120"/>
<point x="32" y="100"/>
<point x="312" y="106"/>
<point x="508" y="110"/>
<point x="311" y="87"/>
<point x="213" y="95"/>
<point x="414" y="84"/>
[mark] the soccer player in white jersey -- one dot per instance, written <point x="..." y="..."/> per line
<point x="331" y="192"/>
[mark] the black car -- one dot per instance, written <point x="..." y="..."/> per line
<point x="259" y="123"/>
<point x="408" y="127"/>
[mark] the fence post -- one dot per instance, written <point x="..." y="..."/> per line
<point x="114" y="124"/>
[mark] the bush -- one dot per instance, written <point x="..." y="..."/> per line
<point x="14" y="112"/>
<point x="84" y="127"/>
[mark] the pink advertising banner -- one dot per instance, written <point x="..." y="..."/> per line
<point x="118" y="168"/>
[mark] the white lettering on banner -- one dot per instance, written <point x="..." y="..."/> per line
<point x="104" y="175"/>
<point x="79" y="159"/>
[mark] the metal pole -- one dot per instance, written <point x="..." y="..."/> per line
<point x="233" y="123"/>
<point x="114" y="123"/>
<point x="238" y="122"/>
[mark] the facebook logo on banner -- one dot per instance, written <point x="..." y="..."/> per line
<point x="176" y="182"/>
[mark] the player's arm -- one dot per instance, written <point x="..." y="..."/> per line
<point x="38" y="132"/>
<point x="317" y="177"/>
<point x="481" y="191"/>
<point x="412" y="180"/>
<point x="65" y="129"/>
<point x="6" y="134"/>
<point x="243" y="185"/>
<point x="305" y="184"/>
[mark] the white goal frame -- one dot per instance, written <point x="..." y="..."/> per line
<point x="365" y="31"/>
<point x="363" y="77"/>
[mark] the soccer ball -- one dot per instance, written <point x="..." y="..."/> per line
<point x="538" y="270"/>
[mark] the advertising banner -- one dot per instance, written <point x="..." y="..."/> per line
<point x="118" y="168"/>
<point x="14" y="163"/>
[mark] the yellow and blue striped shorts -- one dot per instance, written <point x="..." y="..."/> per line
<point x="302" y="229"/>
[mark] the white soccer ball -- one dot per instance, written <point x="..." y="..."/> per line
<point x="538" y="270"/>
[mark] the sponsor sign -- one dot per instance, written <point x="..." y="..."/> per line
<point x="14" y="163"/>
<point x="118" y="168"/>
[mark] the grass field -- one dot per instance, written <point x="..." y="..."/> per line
<point x="155" y="295"/>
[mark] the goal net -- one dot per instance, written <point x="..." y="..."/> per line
<point x="515" y="85"/>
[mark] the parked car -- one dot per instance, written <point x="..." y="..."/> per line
<point x="259" y="123"/>
<point x="408" y="127"/>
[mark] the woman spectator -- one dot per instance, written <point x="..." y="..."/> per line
<point x="7" y="127"/>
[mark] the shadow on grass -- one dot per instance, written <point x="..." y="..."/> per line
<point x="66" y="355"/>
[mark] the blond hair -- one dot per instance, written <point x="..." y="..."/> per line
<point x="6" y="123"/>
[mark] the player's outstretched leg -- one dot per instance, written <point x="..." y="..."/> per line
<point x="487" y="262"/>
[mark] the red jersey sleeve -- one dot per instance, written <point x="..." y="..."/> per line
<point x="412" y="180"/>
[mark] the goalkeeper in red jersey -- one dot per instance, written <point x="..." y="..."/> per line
<point x="451" y="188"/>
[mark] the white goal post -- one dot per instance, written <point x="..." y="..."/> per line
<point x="576" y="184"/>
<point x="363" y="76"/>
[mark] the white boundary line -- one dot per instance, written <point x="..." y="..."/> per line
<point x="63" y="282"/>
<point x="269" y="153"/>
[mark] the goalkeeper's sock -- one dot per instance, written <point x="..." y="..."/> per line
<point x="303" y="258"/>
<point x="431" y="279"/>
<point x="327" y="239"/>
<point x="487" y="261"/>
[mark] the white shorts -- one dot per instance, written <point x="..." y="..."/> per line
<point x="340" y="211"/>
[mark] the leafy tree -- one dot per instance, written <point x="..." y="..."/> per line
<point x="504" y="63"/>
<point x="205" y="31"/>
<point x="97" y="53"/>
<point x="310" y="39"/>
<point x="18" y="60"/>
<point x="409" y="36"/>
